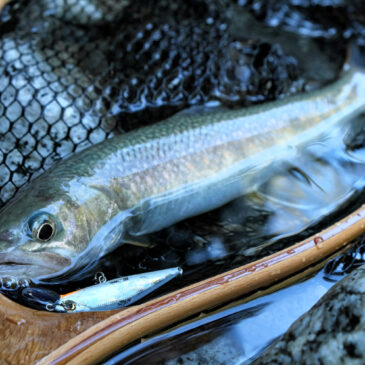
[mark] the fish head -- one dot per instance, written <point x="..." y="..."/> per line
<point x="41" y="234"/>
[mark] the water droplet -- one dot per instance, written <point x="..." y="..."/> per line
<point x="317" y="240"/>
<point x="9" y="283"/>
<point x="23" y="282"/>
<point x="15" y="319"/>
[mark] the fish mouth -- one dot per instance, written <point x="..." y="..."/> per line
<point x="32" y="265"/>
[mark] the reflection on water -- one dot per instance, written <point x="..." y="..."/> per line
<point x="239" y="334"/>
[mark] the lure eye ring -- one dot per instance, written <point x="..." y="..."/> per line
<point x="43" y="227"/>
<point x="69" y="305"/>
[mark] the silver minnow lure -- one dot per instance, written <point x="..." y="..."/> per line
<point x="115" y="293"/>
<point x="140" y="182"/>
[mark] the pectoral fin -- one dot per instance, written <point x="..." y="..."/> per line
<point x="140" y="241"/>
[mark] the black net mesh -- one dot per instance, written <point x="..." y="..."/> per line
<point x="313" y="18"/>
<point x="68" y="81"/>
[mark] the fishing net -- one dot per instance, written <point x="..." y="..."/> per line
<point x="313" y="18"/>
<point x="71" y="77"/>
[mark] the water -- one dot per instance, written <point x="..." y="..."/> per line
<point x="239" y="334"/>
<point x="246" y="328"/>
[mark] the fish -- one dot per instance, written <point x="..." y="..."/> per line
<point x="108" y="295"/>
<point x="121" y="190"/>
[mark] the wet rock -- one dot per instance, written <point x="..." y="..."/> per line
<point x="332" y="332"/>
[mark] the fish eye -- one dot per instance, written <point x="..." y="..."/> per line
<point x="43" y="227"/>
<point x="45" y="232"/>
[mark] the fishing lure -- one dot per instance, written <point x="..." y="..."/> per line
<point x="115" y="293"/>
<point x="108" y="295"/>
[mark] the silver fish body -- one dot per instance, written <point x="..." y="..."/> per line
<point x="140" y="182"/>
